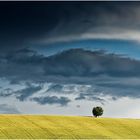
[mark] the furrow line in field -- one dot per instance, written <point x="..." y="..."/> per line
<point x="65" y="129"/>
<point x="45" y="130"/>
<point x="14" y="125"/>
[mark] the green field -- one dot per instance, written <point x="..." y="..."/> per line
<point x="42" y="126"/>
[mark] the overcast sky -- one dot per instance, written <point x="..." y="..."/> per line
<point x="67" y="57"/>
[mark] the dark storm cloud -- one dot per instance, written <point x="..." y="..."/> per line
<point x="78" y="62"/>
<point x="26" y="23"/>
<point x="63" y="101"/>
<point x="21" y="65"/>
<point x="75" y="63"/>
<point x="23" y="21"/>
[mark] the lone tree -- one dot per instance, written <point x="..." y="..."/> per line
<point x="97" y="111"/>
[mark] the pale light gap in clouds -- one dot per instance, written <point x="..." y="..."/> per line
<point x="122" y="35"/>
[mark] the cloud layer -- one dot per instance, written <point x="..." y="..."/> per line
<point x="74" y="63"/>
<point x="87" y="75"/>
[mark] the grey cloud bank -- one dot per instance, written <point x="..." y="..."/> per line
<point x="74" y="63"/>
<point x="97" y="73"/>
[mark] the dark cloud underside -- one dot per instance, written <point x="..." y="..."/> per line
<point x="72" y="63"/>
<point x="63" y="101"/>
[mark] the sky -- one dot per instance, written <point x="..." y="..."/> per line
<point x="64" y="58"/>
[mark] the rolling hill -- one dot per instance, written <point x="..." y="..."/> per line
<point x="63" y="127"/>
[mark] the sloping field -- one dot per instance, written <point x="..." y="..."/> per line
<point x="41" y="126"/>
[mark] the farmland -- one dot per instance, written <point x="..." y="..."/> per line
<point x="63" y="127"/>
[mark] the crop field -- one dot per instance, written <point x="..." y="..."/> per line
<point x="64" y="127"/>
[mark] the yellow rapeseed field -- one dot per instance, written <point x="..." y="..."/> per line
<point x="66" y="127"/>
